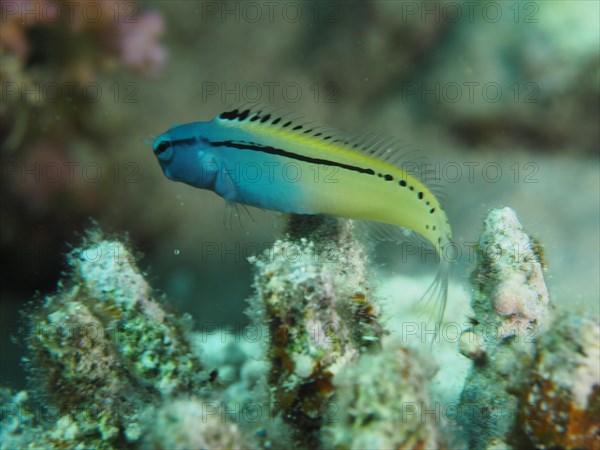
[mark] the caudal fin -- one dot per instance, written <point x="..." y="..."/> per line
<point x="437" y="293"/>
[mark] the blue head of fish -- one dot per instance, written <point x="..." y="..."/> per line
<point x="184" y="156"/>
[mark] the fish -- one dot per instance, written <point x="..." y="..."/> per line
<point x="261" y="157"/>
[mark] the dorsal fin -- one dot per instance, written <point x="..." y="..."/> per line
<point x="391" y="150"/>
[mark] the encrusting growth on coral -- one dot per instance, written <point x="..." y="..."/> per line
<point x="336" y="379"/>
<point x="510" y="303"/>
<point x="191" y="423"/>
<point x="510" y="295"/>
<point x="103" y="350"/>
<point x="313" y="295"/>
<point x="560" y="402"/>
<point x="382" y="402"/>
<point x="534" y="381"/>
<point x="111" y="367"/>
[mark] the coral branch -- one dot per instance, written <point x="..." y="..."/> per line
<point x="535" y="381"/>
<point x="313" y="294"/>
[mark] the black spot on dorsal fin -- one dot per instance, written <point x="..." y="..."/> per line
<point x="230" y="115"/>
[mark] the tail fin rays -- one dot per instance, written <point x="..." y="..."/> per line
<point x="438" y="293"/>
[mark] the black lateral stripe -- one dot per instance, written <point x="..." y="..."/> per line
<point x="184" y="141"/>
<point x="277" y="151"/>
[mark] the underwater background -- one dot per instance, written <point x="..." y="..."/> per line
<point x="502" y="97"/>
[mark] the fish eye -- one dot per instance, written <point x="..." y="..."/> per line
<point x="162" y="147"/>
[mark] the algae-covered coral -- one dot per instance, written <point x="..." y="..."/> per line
<point x="102" y="351"/>
<point x="314" y="295"/>
<point x="534" y="381"/>
<point x="112" y="366"/>
<point x="381" y="402"/>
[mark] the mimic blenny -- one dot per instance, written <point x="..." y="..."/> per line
<point x="258" y="157"/>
